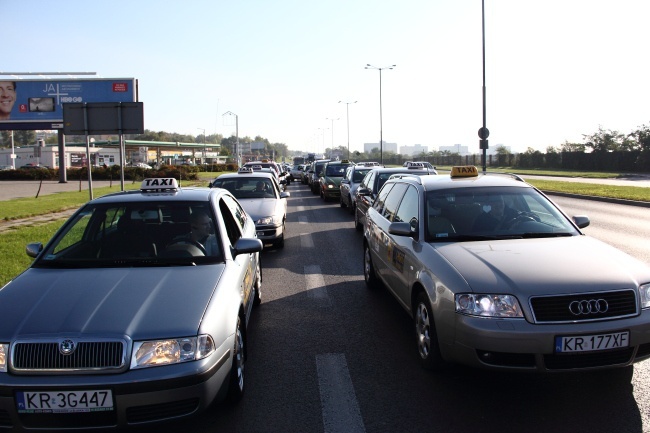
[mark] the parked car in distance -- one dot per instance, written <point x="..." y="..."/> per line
<point x="371" y="184"/>
<point x="135" y="312"/>
<point x="353" y="177"/>
<point x="262" y="198"/>
<point x="496" y="276"/>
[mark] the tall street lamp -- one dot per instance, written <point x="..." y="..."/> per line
<point x="347" y="115"/>
<point x="237" y="155"/>
<point x="381" y="138"/>
<point x="205" y="157"/>
<point x="327" y="118"/>
<point x="483" y="132"/>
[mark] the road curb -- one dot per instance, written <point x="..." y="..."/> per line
<point x="605" y="199"/>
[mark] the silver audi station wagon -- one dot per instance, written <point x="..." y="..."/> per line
<point x="136" y="311"/>
<point x="495" y="275"/>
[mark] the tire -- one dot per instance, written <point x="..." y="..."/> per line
<point x="425" y="334"/>
<point x="236" y="386"/>
<point x="357" y="223"/>
<point x="369" y="275"/>
<point x="341" y="202"/>
<point x="351" y="206"/>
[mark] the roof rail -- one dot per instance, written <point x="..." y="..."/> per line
<point x="512" y="175"/>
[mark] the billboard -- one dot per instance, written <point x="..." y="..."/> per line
<point x="38" y="103"/>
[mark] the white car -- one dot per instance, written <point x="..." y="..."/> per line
<point x="262" y="198"/>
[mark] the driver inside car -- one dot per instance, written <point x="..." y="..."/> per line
<point x="494" y="213"/>
<point x="202" y="231"/>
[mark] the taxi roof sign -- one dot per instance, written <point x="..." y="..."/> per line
<point x="159" y="184"/>
<point x="245" y="170"/>
<point x="464" y="171"/>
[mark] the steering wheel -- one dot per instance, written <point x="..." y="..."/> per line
<point x="521" y="217"/>
<point x="187" y="242"/>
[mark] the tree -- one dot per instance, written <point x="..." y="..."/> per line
<point x="607" y="141"/>
<point x="572" y="147"/>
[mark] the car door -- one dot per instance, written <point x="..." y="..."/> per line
<point x="363" y="202"/>
<point x="402" y="267"/>
<point x="236" y="223"/>
<point x="392" y="255"/>
<point x="377" y="230"/>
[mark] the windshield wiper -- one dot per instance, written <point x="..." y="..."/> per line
<point x="546" y="235"/>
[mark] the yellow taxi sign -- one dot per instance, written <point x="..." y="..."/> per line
<point x="464" y="171"/>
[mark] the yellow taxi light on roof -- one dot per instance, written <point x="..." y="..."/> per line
<point x="464" y="171"/>
<point x="158" y="184"/>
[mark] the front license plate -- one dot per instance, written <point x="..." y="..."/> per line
<point x="590" y="343"/>
<point x="64" y="401"/>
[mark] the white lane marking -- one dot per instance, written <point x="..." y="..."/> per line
<point x="315" y="285"/>
<point x="306" y="241"/>
<point x="341" y="413"/>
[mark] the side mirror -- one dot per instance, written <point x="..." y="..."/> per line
<point x="247" y="246"/>
<point x="581" y="221"/>
<point x="33" y="249"/>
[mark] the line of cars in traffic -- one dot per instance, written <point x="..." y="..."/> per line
<point x="493" y="274"/>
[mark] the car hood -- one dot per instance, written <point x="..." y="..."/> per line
<point x="259" y="207"/>
<point x="142" y="303"/>
<point x="543" y="266"/>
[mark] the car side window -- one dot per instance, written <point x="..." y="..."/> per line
<point x="393" y="199"/>
<point x="378" y="205"/>
<point x="408" y="208"/>
<point x="232" y="219"/>
<point x="368" y="180"/>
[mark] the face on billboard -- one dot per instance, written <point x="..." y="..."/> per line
<point x="7" y="98"/>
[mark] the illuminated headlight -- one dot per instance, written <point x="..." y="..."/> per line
<point x="4" y="350"/>
<point x="488" y="305"/>
<point x="644" y="293"/>
<point x="265" y="221"/>
<point x="165" y="352"/>
<point x="330" y="185"/>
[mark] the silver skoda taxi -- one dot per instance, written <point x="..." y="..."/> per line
<point x="136" y="311"/>
<point x="496" y="276"/>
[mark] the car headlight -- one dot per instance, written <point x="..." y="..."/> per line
<point x="488" y="305"/>
<point x="644" y="293"/>
<point x="4" y="350"/>
<point x="173" y="351"/>
<point x="331" y="185"/>
<point x="265" y="220"/>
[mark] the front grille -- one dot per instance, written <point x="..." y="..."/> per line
<point x="157" y="412"/>
<point x="554" y="309"/>
<point x="88" y="355"/>
<point x="589" y="360"/>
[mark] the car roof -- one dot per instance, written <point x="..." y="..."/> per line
<point x="256" y="174"/>
<point x="182" y="194"/>
<point x="444" y="181"/>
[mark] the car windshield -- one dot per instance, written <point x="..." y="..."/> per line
<point x="135" y="234"/>
<point x="492" y="213"/>
<point x="337" y="170"/>
<point x="247" y="187"/>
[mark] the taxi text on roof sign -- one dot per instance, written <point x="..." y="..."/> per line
<point x="157" y="184"/>
<point x="464" y="171"/>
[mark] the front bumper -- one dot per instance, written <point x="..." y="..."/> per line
<point x="268" y="233"/>
<point x="139" y="396"/>
<point x="518" y="344"/>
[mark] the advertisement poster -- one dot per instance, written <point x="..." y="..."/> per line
<point x="40" y="101"/>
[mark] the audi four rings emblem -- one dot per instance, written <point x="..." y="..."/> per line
<point x="591" y="306"/>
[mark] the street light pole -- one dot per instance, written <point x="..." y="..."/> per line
<point x="483" y="132"/>
<point x="204" y="149"/>
<point x="332" y="149"/>
<point x="347" y="116"/>
<point x="237" y="155"/>
<point x="381" y="138"/>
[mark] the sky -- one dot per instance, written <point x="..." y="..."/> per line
<point x="554" y="70"/>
